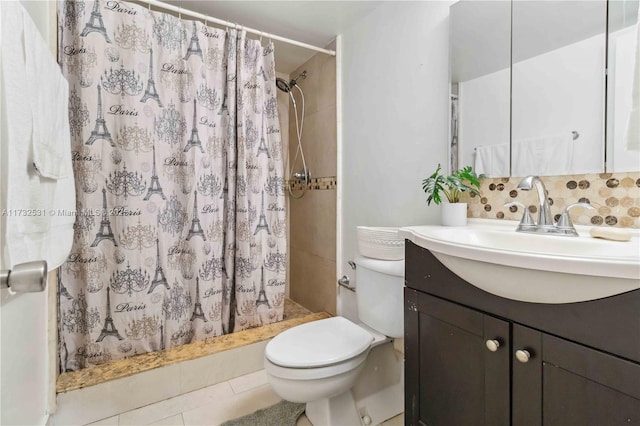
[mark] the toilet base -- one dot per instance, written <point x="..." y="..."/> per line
<point x="337" y="411"/>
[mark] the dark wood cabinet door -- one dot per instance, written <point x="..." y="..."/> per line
<point x="452" y="378"/>
<point x="565" y="384"/>
<point x="586" y="387"/>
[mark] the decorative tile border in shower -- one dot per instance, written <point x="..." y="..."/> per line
<point x="328" y="182"/>
<point x="615" y="196"/>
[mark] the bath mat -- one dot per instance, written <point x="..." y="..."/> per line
<point x="284" y="413"/>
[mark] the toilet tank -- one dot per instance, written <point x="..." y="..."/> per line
<point x="379" y="294"/>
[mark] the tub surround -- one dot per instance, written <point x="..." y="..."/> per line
<point x="294" y="315"/>
<point x="312" y="218"/>
<point x="615" y="196"/>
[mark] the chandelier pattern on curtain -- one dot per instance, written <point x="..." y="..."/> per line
<point x="180" y="234"/>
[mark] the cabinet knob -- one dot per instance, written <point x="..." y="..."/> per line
<point x="523" y="355"/>
<point x="493" y="345"/>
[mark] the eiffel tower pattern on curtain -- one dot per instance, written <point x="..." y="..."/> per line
<point x="159" y="236"/>
<point x="194" y="140"/>
<point x="262" y="221"/>
<point x="95" y="23"/>
<point x="194" y="45"/>
<point x="100" y="131"/>
<point x="150" y="92"/>
<point x="108" y="329"/>
<point x="159" y="278"/>
<point x="196" y="228"/>
<point x="104" y="232"/>
<point x="197" y="308"/>
<point x="262" y="294"/>
<point x="154" y="186"/>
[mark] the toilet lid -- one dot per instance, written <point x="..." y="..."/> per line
<point x="318" y="343"/>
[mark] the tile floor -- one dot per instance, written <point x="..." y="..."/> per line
<point x="211" y="406"/>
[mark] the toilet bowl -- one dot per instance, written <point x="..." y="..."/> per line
<point x="318" y="363"/>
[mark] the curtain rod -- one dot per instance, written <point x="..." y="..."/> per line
<point x="222" y="22"/>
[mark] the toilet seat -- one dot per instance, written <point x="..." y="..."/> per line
<point x="319" y="344"/>
<point x="316" y="372"/>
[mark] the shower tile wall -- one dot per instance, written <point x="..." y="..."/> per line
<point x="313" y="217"/>
<point x="615" y="196"/>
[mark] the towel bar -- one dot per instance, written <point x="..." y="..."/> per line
<point x="29" y="277"/>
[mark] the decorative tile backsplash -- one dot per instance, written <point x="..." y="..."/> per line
<point x="328" y="182"/>
<point x="615" y="196"/>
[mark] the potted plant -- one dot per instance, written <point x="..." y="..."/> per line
<point x="454" y="213"/>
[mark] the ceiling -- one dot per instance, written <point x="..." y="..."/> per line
<point x="312" y="22"/>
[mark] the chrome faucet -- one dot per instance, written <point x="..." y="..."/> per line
<point x="545" y="223"/>
<point x="545" y="220"/>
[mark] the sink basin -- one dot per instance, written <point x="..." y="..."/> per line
<point x="492" y="256"/>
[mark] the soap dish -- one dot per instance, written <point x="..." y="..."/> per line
<point x="614" y="234"/>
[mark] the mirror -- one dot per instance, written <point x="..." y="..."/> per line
<point x="480" y="86"/>
<point x="528" y="86"/>
<point x="623" y="104"/>
<point x="558" y="87"/>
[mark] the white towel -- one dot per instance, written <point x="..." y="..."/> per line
<point x="492" y="160"/>
<point x="545" y="156"/>
<point x="633" y="125"/>
<point x="35" y="109"/>
<point x="51" y="137"/>
<point x="501" y="154"/>
<point x="483" y="160"/>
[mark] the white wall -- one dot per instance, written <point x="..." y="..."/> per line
<point x="24" y="341"/>
<point x="395" y="119"/>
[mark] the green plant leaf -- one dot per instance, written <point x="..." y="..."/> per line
<point x="452" y="186"/>
<point x="432" y="187"/>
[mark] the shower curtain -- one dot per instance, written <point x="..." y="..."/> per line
<point x="180" y="226"/>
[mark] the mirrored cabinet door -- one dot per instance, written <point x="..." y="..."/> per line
<point x="558" y="87"/>
<point x="623" y="103"/>
<point x="545" y="87"/>
<point x="480" y="86"/>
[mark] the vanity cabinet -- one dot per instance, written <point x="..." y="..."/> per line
<point x="473" y="358"/>
<point x="458" y="381"/>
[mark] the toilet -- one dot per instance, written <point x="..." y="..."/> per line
<point x="320" y="362"/>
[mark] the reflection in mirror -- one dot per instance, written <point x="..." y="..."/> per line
<point x="623" y="88"/>
<point x="480" y="59"/>
<point x="558" y="87"/>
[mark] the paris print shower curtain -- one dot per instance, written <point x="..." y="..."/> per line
<point x="180" y="227"/>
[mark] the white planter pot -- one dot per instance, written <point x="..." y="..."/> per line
<point x="454" y="214"/>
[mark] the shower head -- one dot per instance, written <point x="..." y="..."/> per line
<point x="286" y="87"/>
<point x="283" y="85"/>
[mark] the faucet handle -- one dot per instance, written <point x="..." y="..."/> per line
<point x="565" y="219"/>
<point x="527" y="221"/>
